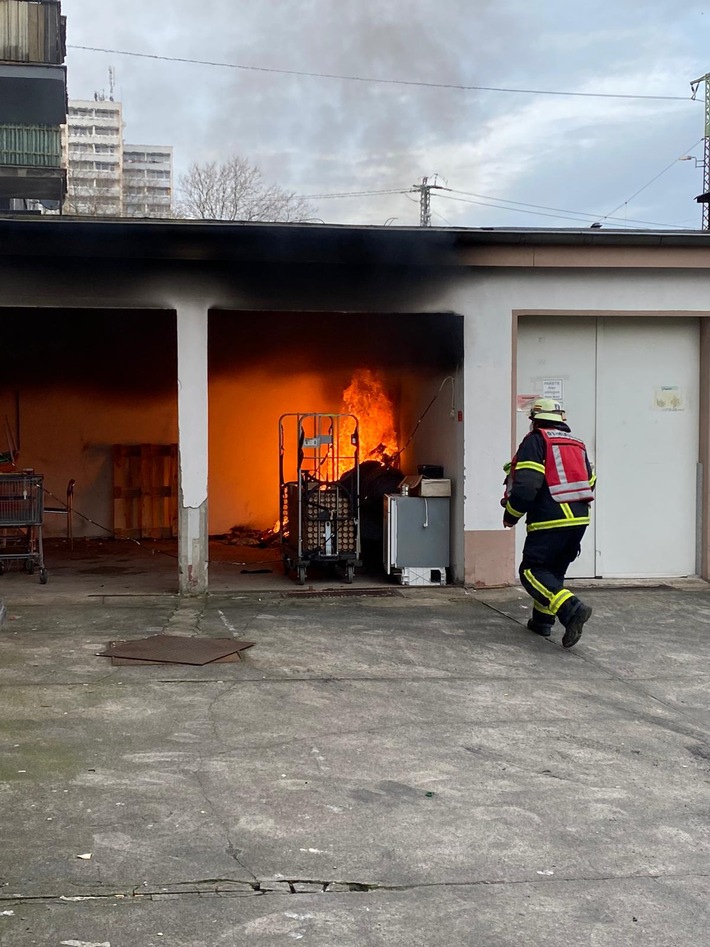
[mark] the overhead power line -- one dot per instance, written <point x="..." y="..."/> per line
<point x="371" y="79"/>
<point x="648" y="183"/>
<point x="577" y="216"/>
<point x="337" y="194"/>
<point x="500" y="203"/>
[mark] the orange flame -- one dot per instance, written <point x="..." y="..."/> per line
<point x="367" y="398"/>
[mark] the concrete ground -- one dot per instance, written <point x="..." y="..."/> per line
<point x="101" y="570"/>
<point x="385" y="767"/>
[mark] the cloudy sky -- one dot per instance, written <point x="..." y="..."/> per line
<point x="509" y="158"/>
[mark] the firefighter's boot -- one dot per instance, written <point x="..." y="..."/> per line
<point x="575" y="626"/>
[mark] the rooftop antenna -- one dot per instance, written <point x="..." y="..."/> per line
<point x="704" y="198"/>
<point x="111" y="82"/>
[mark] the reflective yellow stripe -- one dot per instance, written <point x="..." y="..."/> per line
<point x="509" y="509"/>
<point x="538" y="586"/>
<point x="567" y="510"/>
<point x="559" y="600"/>
<point x="537" y="607"/>
<point x="555" y="600"/>
<point x="530" y="465"/>
<point x="555" y="524"/>
<point x="592" y="480"/>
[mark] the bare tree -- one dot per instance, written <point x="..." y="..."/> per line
<point x="235" y="190"/>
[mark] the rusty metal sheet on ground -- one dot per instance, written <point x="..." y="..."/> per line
<point x="175" y="649"/>
<point x="234" y="658"/>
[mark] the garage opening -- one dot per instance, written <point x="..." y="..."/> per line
<point x="400" y="375"/>
<point x="88" y="397"/>
<point x="96" y="403"/>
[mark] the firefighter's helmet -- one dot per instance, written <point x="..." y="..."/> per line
<point x="546" y="409"/>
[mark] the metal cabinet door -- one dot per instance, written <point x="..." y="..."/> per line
<point x="630" y="386"/>
<point x="647" y="446"/>
<point x="417" y="531"/>
<point x="558" y="354"/>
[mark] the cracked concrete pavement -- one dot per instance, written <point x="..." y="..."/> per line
<point x="381" y="769"/>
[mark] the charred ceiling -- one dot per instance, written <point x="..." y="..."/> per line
<point x="133" y="352"/>
<point x="318" y="341"/>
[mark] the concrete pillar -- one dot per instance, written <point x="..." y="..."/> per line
<point x="193" y="545"/>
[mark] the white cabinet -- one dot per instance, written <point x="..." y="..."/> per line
<point x="416" y="538"/>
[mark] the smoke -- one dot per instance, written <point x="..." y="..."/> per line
<point x="308" y="134"/>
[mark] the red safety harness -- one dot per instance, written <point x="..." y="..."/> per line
<point x="566" y="467"/>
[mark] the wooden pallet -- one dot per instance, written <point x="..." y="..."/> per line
<point x="145" y="491"/>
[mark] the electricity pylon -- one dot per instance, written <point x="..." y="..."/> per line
<point x="704" y="198"/>
<point x="425" y="200"/>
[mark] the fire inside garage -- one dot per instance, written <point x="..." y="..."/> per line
<point x="396" y="374"/>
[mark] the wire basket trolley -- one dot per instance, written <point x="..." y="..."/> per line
<point x="319" y="506"/>
<point x="21" y="514"/>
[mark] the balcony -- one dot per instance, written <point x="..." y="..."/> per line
<point x="25" y="183"/>
<point x="32" y="94"/>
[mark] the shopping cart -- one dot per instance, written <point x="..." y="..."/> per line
<point x="21" y="512"/>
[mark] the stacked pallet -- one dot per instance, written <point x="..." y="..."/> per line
<point x="145" y="491"/>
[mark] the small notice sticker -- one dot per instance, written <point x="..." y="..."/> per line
<point x="668" y="398"/>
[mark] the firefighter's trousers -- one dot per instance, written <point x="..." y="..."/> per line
<point x="547" y="555"/>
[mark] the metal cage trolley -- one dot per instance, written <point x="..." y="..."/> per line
<point x="21" y="514"/>
<point x="319" y="502"/>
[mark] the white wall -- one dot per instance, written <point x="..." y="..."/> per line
<point x="487" y="299"/>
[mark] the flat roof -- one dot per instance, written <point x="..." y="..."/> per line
<point x="208" y="240"/>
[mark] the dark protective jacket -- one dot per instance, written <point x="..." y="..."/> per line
<point x="528" y="491"/>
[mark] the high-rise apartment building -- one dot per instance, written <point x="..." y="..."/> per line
<point x="93" y="150"/>
<point x="106" y="177"/>
<point x="147" y="181"/>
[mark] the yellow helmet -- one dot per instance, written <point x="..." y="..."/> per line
<point x="545" y="409"/>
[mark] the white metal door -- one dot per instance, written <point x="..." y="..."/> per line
<point x="630" y="389"/>
<point x="557" y="356"/>
<point x="647" y="446"/>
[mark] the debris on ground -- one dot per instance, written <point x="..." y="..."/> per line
<point x="246" y="536"/>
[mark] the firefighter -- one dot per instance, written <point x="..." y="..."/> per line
<point x="550" y="481"/>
